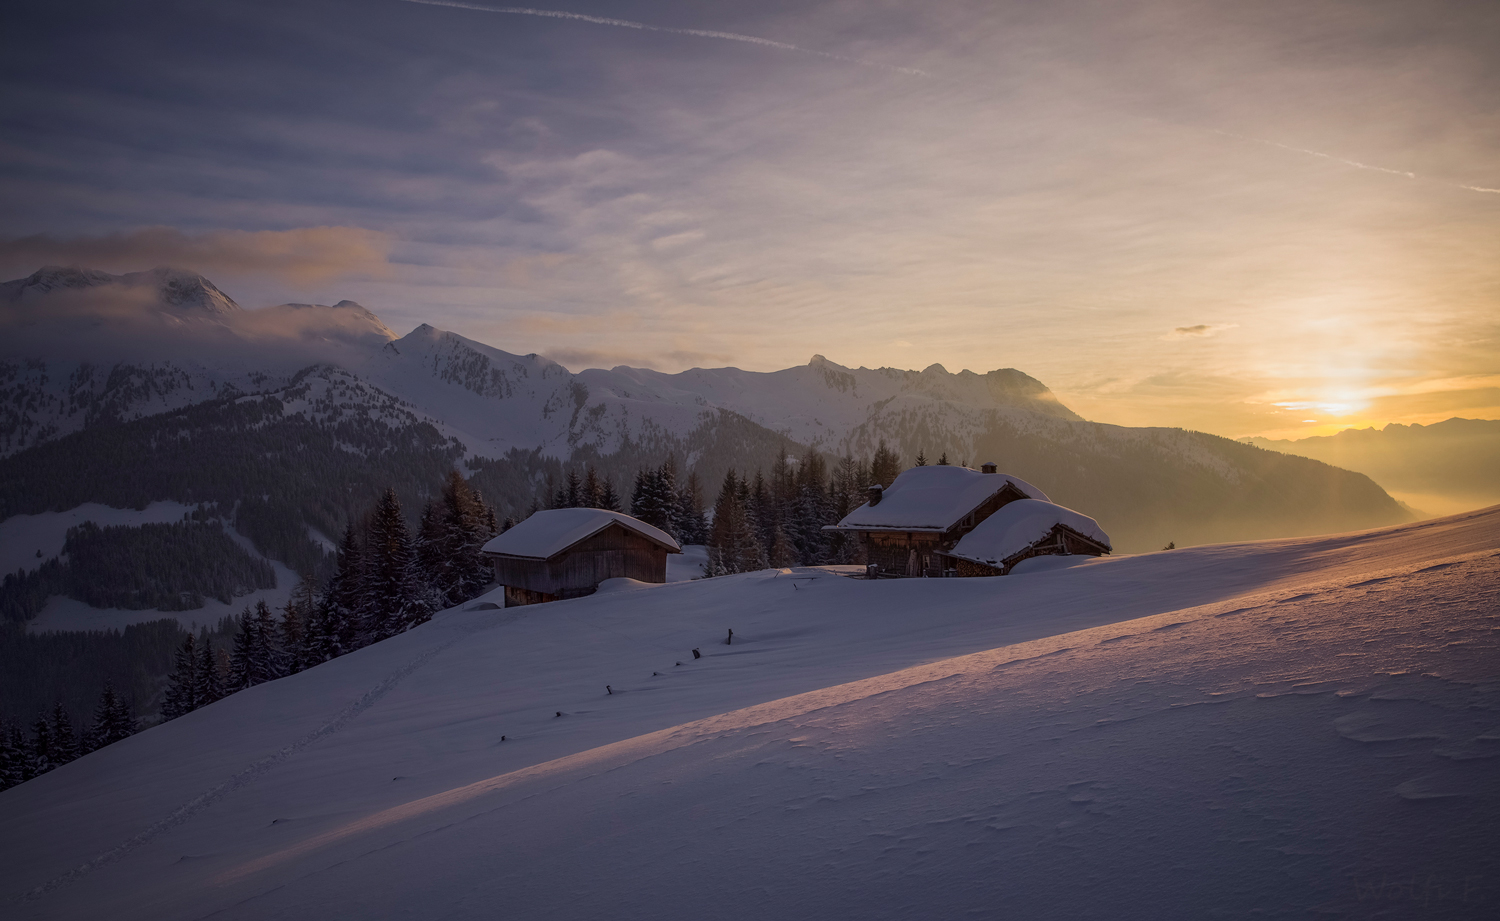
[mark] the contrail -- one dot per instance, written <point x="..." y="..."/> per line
<point x="700" y="33"/>
<point x="1317" y="153"/>
<point x="1354" y="163"/>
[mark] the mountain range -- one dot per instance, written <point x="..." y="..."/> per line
<point x="1449" y="466"/>
<point x="127" y="389"/>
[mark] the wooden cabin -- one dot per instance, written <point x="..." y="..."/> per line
<point x="1022" y="530"/>
<point x="912" y="528"/>
<point x="566" y="552"/>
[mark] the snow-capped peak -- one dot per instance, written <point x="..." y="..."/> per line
<point x="176" y="288"/>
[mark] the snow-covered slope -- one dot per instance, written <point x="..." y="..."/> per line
<point x="1278" y="729"/>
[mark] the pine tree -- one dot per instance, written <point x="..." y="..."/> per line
<point x="15" y="759"/>
<point x="64" y="738"/>
<point x="244" y="661"/>
<point x="943" y="459"/>
<point x="692" y="522"/>
<point x="733" y="546"/>
<point x="921" y="459"/>
<point x="573" y="491"/>
<point x="338" y="621"/>
<point x="593" y="490"/>
<point x="781" y="552"/>
<point x="885" y="466"/>
<point x="210" y="679"/>
<point x="309" y="647"/>
<point x="608" y="498"/>
<point x="396" y="601"/>
<point x="184" y="694"/>
<point x="270" y="658"/>
<point x="41" y="759"/>
<point x="113" y="720"/>
<point x="455" y="566"/>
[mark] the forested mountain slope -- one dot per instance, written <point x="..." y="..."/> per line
<point x="125" y="389"/>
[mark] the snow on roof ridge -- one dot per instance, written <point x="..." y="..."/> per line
<point x="934" y="498"/>
<point x="551" y="531"/>
<point x="1018" y="525"/>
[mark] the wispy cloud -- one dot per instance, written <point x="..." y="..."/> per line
<point x="1199" y="331"/>
<point x="1347" y="162"/>
<point x="698" y="33"/>
<point x="304" y="255"/>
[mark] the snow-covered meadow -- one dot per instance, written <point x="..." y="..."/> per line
<point x="1274" y="729"/>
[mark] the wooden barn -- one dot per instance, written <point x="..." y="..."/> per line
<point x="567" y="552"/>
<point x="1022" y="530"/>
<point x="913" y="528"/>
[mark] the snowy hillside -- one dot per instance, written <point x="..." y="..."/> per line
<point x="1277" y="729"/>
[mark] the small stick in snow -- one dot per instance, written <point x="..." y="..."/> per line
<point x="730" y="641"/>
<point x="656" y="674"/>
<point x="609" y="689"/>
<point x="502" y="738"/>
<point x="559" y="713"/>
<point x="697" y="654"/>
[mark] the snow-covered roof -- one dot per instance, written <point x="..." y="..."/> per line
<point x="548" y="533"/>
<point x="933" y="498"/>
<point x="1017" y="526"/>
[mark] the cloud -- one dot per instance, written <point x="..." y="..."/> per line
<point x="577" y="359"/>
<point x="697" y="33"/>
<point x="304" y="255"/>
<point x="1200" y="331"/>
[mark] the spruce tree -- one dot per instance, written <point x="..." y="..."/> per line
<point x="884" y="466"/>
<point x="245" y="660"/>
<point x="640" y="496"/>
<point x="943" y="459"/>
<point x="782" y="552"/>
<point x="811" y="510"/>
<point x="692" y="521"/>
<point x="113" y="719"/>
<point x="921" y="459"/>
<point x="15" y="760"/>
<point x="183" y="688"/>
<point x="210" y="681"/>
<point x="338" y="620"/>
<point x="396" y="601"/>
<point x="593" y="489"/>
<point x="305" y="653"/>
<point x="41" y="758"/>
<point x="608" y="498"/>
<point x="270" y="658"/>
<point x="64" y="738"/>
<point x="573" y="491"/>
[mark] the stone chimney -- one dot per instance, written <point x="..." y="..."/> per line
<point x="988" y="467"/>
<point x="877" y="492"/>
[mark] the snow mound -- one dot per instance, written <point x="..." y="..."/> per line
<point x="1017" y="526"/>
<point x="624" y="584"/>
<point x="934" y="498"/>
<point x="551" y="531"/>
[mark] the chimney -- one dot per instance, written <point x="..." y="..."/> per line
<point x="877" y="492"/>
<point x="987" y="467"/>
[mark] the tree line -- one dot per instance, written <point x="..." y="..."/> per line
<point x="777" y="520"/>
<point x="54" y="742"/>
<point x="389" y="578"/>
<point x="658" y="499"/>
<point x="165" y="567"/>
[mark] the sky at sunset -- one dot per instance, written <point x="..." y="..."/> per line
<point x="1277" y="218"/>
